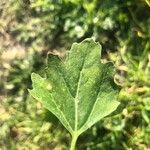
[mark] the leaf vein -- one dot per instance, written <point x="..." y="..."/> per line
<point x="62" y="113"/>
<point x="95" y="101"/>
<point x="77" y="92"/>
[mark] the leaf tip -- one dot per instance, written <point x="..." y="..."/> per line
<point x="91" y="40"/>
<point x="33" y="75"/>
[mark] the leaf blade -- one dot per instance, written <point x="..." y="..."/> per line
<point x="44" y="96"/>
<point x="83" y="90"/>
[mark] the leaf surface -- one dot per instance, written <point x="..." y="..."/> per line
<point x="80" y="90"/>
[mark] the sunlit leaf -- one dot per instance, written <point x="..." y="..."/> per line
<point x="80" y="90"/>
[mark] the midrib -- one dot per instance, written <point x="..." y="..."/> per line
<point x="77" y="95"/>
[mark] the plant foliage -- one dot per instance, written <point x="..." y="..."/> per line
<point x="38" y="26"/>
<point x="79" y="91"/>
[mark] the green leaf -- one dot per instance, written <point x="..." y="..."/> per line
<point x="78" y="91"/>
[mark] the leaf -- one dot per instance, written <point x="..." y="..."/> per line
<point x="80" y="90"/>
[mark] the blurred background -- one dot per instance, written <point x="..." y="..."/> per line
<point x="29" y="29"/>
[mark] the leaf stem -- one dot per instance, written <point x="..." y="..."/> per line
<point x="73" y="141"/>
